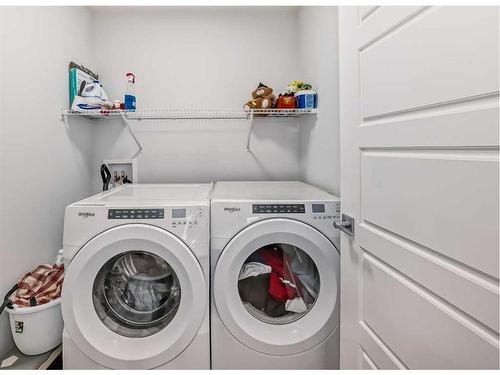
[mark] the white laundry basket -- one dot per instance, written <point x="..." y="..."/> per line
<point x="36" y="329"/>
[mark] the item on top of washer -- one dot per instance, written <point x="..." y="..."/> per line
<point x="253" y="269"/>
<point x="296" y="305"/>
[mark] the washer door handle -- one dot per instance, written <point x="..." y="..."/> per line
<point x="346" y="225"/>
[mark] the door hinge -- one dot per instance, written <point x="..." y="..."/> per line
<point x="346" y="225"/>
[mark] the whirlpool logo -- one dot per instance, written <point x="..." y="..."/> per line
<point x="232" y="210"/>
<point x="86" y="214"/>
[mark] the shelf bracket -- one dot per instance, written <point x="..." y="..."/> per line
<point x="250" y="127"/>
<point x="126" y="121"/>
<point x="64" y="119"/>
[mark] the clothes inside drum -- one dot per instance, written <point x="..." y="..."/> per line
<point x="278" y="283"/>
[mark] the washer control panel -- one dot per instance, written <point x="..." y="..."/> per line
<point x="134" y="213"/>
<point x="321" y="211"/>
<point x="279" y="208"/>
<point x="186" y="217"/>
<point x="177" y="216"/>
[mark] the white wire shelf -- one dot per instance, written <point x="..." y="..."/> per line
<point x="188" y="114"/>
<point x="191" y="114"/>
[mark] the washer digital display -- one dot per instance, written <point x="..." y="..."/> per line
<point x="178" y="213"/>
<point x="318" y="208"/>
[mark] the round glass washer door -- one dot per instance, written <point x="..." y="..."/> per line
<point x="136" y="294"/>
<point x="288" y="333"/>
<point x="134" y="297"/>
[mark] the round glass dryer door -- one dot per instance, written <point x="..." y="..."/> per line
<point x="136" y="294"/>
<point x="278" y="283"/>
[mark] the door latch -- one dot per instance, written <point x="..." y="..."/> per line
<point x="346" y="225"/>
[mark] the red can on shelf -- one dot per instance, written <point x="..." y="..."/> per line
<point x="286" y="102"/>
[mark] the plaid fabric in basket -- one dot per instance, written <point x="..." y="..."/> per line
<point x="39" y="286"/>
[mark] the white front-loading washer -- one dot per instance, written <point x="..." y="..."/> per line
<point x="136" y="289"/>
<point x="275" y="276"/>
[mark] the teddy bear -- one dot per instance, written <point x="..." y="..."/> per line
<point x="263" y="98"/>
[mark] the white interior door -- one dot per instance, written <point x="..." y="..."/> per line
<point x="419" y="157"/>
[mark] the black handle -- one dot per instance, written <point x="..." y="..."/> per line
<point x="106" y="177"/>
<point x="6" y="302"/>
<point x="82" y="86"/>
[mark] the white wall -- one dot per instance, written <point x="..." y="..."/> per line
<point x="318" y="46"/>
<point x="199" y="57"/>
<point x="44" y="165"/>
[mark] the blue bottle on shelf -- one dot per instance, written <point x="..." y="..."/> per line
<point x="130" y="99"/>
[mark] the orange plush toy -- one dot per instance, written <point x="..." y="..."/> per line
<point x="263" y="98"/>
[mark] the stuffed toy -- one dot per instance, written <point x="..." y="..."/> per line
<point x="263" y="98"/>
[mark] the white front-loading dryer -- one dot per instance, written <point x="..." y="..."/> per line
<point x="136" y="289"/>
<point x="275" y="276"/>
